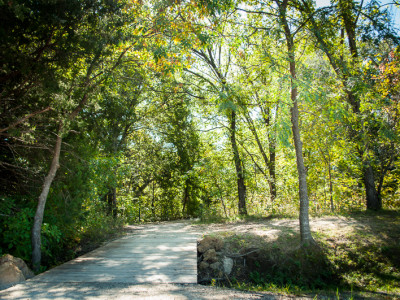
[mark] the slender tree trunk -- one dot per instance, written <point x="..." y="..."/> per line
<point x="221" y="196"/>
<point x="186" y="199"/>
<point x="268" y="163"/>
<point x="38" y="219"/>
<point x="238" y="165"/>
<point x="266" y="113"/>
<point x="272" y="159"/>
<point x="223" y="205"/>
<point x="330" y="186"/>
<point x="271" y="162"/>
<point x="111" y="198"/>
<point x="305" y="232"/>
<point x="327" y="160"/>
<point x="153" y="209"/>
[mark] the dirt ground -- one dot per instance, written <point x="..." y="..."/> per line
<point x="271" y="228"/>
<point x="363" y="236"/>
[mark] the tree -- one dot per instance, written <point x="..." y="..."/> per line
<point x="217" y="60"/>
<point x="348" y="67"/>
<point x="64" y="52"/>
<point x="305" y="232"/>
<point x="219" y="85"/>
<point x="260" y="94"/>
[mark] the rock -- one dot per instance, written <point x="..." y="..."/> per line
<point x="216" y="266"/>
<point x="210" y="256"/>
<point x="13" y="270"/>
<point x="19" y="263"/>
<point x="203" y="265"/>
<point x="10" y="274"/>
<point x="210" y="243"/>
<point x="228" y="265"/>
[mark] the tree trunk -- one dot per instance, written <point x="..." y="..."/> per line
<point x="266" y="113"/>
<point x="330" y="186"/>
<point x="153" y="208"/>
<point x="373" y="200"/>
<point x="111" y="198"/>
<point x="221" y="196"/>
<point x="272" y="158"/>
<point x="238" y="165"/>
<point x="186" y="199"/>
<point x="305" y="232"/>
<point x="269" y="162"/>
<point x="272" y="172"/>
<point x="140" y="189"/>
<point x="38" y="219"/>
<point x="349" y="22"/>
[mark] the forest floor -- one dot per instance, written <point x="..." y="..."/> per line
<point x="357" y="255"/>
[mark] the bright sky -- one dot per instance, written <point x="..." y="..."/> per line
<point x="395" y="11"/>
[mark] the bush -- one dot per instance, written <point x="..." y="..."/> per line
<point x="16" y="231"/>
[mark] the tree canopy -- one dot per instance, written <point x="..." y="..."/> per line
<point x="120" y="111"/>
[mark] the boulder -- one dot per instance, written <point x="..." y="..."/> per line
<point x="228" y="265"/>
<point x="215" y="266"/>
<point x="210" y="243"/>
<point x="10" y="274"/>
<point x="13" y="270"/>
<point x="203" y="265"/>
<point x="210" y="256"/>
<point x="19" y="263"/>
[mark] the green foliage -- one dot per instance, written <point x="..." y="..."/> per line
<point x="154" y="88"/>
<point x="16" y="234"/>
<point x="51" y="238"/>
<point x="361" y="256"/>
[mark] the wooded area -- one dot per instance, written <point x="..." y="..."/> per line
<point x="121" y="111"/>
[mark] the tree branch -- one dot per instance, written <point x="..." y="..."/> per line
<point x="26" y="118"/>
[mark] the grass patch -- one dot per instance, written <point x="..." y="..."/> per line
<point x="361" y="255"/>
<point x="280" y="265"/>
<point x="217" y="219"/>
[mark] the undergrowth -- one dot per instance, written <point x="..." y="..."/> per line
<point x="363" y="259"/>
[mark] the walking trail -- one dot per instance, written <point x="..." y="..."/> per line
<point x="164" y="253"/>
<point x="157" y="261"/>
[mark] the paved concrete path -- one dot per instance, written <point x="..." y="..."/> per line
<point x="161" y="253"/>
<point x="156" y="262"/>
<point x="105" y="291"/>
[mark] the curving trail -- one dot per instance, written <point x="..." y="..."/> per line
<point x="162" y="253"/>
<point x="157" y="261"/>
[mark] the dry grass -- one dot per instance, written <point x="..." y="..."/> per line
<point x="360" y="251"/>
